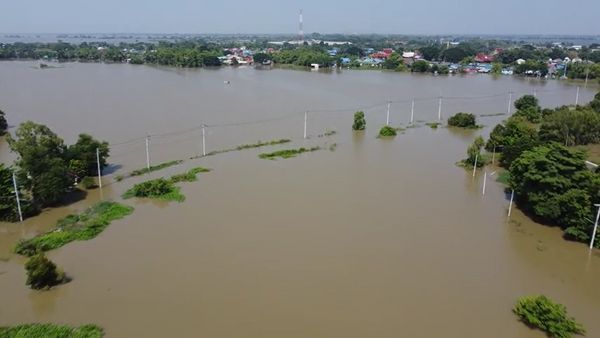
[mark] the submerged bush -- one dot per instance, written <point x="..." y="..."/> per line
<point x="51" y="331"/>
<point x="462" y="120"/>
<point x="286" y="153"/>
<point x="88" y="182"/>
<point x="387" y="131"/>
<point x="159" y="188"/>
<point x="42" y="273"/>
<point x="542" y="313"/>
<point x="359" y="121"/>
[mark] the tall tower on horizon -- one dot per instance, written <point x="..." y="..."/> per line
<point x="300" y="27"/>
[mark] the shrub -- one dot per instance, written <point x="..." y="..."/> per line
<point x="474" y="153"/>
<point x="531" y="114"/>
<point x="159" y="188"/>
<point x="387" y="131"/>
<point x="286" y="153"/>
<point x="359" y="121"/>
<point x="42" y="273"/>
<point x="463" y="120"/>
<point x="526" y="101"/>
<point x="542" y="313"/>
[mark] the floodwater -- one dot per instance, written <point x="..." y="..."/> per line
<point x="378" y="238"/>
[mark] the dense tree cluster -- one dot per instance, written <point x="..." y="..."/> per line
<point x="46" y="168"/>
<point x="304" y="56"/>
<point x="463" y="120"/>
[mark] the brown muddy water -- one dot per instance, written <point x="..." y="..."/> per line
<point x="379" y="238"/>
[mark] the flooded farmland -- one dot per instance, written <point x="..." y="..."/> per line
<point x="375" y="238"/>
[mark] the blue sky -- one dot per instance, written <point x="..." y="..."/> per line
<point x="281" y="16"/>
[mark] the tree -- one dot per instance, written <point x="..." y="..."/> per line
<point x="455" y="54"/>
<point x="463" y="120"/>
<point x="571" y="127"/>
<point x="431" y="52"/>
<point x="550" y="317"/>
<point x="387" y="131"/>
<point x="393" y="61"/>
<point x="81" y="156"/>
<point x="359" y="121"/>
<point x="420" y="66"/>
<point x="595" y="103"/>
<point x="553" y="183"/>
<point x="474" y="152"/>
<point x="42" y="273"/>
<point x="3" y="123"/>
<point x="261" y="57"/>
<point x="41" y="162"/>
<point x="497" y="68"/>
<point x="526" y="101"/>
<point x="512" y="138"/>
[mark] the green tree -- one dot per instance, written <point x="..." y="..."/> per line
<point x="393" y="61"/>
<point x="359" y="121"/>
<point x="497" y="68"/>
<point x="431" y="52"/>
<point x="387" y="131"/>
<point x="456" y="54"/>
<point x="42" y="273"/>
<point x="463" y="120"/>
<point x="420" y="66"/>
<point x="41" y="162"/>
<point x="474" y="152"/>
<point x="527" y="101"/>
<point x="3" y="123"/>
<point x="595" y="103"/>
<point x="571" y="127"/>
<point x="550" y="317"/>
<point x="552" y="183"/>
<point x="261" y="57"/>
<point x="512" y="138"/>
<point x="82" y="155"/>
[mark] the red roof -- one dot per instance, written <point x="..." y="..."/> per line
<point x="484" y="58"/>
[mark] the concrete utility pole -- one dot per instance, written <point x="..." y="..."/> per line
<point x="17" y="197"/>
<point x="99" y="170"/>
<point x="305" y="122"/>
<point x="475" y="164"/>
<point x="387" y="120"/>
<point x="148" y="152"/>
<point x="577" y="96"/>
<point x="412" y="112"/>
<point x="512" y="196"/>
<point x="595" y="227"/>
<point x="509" y="102"/>
<point x="484" y="181"/>
<point x="440" y="109"/>
<point x="203" y="140"/>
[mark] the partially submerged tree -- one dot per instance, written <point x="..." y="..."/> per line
<point x="42" y="273"/>
<point x="552" y="318"/>
<point x="359" y="121"/>
<point x="387" y="131"/>
<point x="474" y="156"/>
<point x="3" y="123"/>
<point x="512" y="138"/>
<point x="462" y="120"/>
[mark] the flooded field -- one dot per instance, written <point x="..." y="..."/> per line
<point x="378" y="238"/>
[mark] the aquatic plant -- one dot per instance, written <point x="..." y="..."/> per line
<point x="433" y="125"/>
<point x="542" y="313"/>
<point x="189" y="176"/>
<point x="261" y="144"/>
<point x="84" y="226"/>
<point x="160" y="188"/>
<point x="51" y="331"/>
<point x="286" y="153"/>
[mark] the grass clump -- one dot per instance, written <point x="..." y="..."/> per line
<point x="160" y="188"/>
<point x="433" y="125"/>
<point x="82" y="227"/>
<point x="261" y="144"/>
<point x="51" y="331"/>
<point x="504" y="177"/>
<point x="143" y="171"/>
<point x="89" y="183"/>
<point x="387" y="131"/>
<point x="542" y="313"/>
<point x="286" y="153"/>
<point x="189" y="176"/>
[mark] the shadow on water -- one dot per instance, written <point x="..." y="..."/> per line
<point x="73" y="196"/>
<point x="111" y="169"/>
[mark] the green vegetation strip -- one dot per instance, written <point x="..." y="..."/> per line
<point x="258" y="144"/>
<point x="139" y="172"/>
<point x="286" y="153"/>
<point x="51" y="331"/>
<point x="162" y="188"/>
<point x="82" y="227"/>
<point x="552" y="318"/>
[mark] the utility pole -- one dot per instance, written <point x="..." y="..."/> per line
<point x="512" y="196"/>
<point x="387" y="120"/>
<point x="148" y="152"/>
<point x="475" y="164"/>
<point x="440" y="109"/>
<point x="99" y="170"/>
<point x="203" y="140"/>
<point x="595" y="227"/>
<point x="412" y="112"/>
<point x="577" y="96"/>
<point x="17" y="197"/>
<point x="305" y="121"/>
<point x="484" y="181"/>
<point x="494" y="155"/>
<point x="509" y="102"/>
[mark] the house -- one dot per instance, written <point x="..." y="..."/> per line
<point x="410" y="57"/>
<point x="380" y="55"/>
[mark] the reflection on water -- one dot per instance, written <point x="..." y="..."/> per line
<point x="374" y="238"/>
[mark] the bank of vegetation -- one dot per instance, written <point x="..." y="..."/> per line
<point x="286" y="153"/>
<point x="51" y="331"/>
<point x="542" y="313"/>
<point x="80" y="227"/>
<point x="143" y="171"/>
<point x="258" y="144"/>
<point x="539" y="149"/>
<point x="47" y="170"/>
<point x="163" y="188"/>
